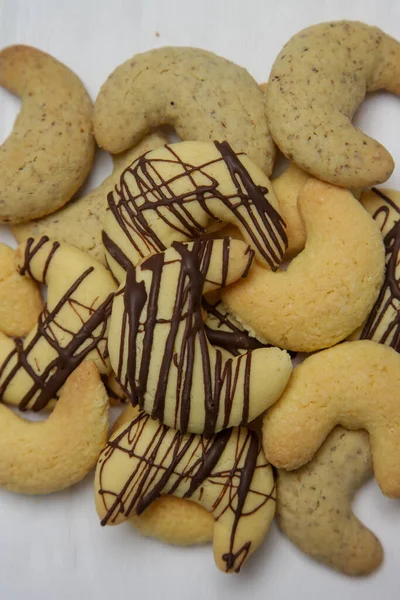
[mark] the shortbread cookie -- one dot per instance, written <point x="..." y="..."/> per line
<point x="316" y="84"/>
<point x="80" y="222"/>
<point x="203" y="96"/>
<point x="170" y="519"/>
<point x="287" y="188"/>
<point x="174" y="192"/>
<point x="20" y="300"/>
<point x="45" y="457"/>
<point x="159" y="349"/>
<point x="227" y="475"/>
<point x="51" y="148"/>
<point x="71" y="328"/>
<point x="314" y="505"/>
<point x="356" y="385"/>
<point x="328" y="289"/>
<point x="383" y="322"/>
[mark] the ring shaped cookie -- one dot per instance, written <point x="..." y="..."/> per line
<point x="226" y="474"/>
<point x="329" y="289"/>
<point x="314" y="505"/>
<point x="71" y="328"/>
<point x="172" y="193"/>
<point x="383" y="322"/>
<point x="20" y="300"/>
<point x="45" y="457"/>
<point x="80" y="222"/>
<point x="316" y="85"/>
<point x="172" y="520"/>
<point x="159" y="349"/>
<point x="354" y="384"/>
<point x="203" y="96"/>
<point x="51" y="148"/>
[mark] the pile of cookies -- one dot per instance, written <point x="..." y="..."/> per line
<point x="169" y="291"/>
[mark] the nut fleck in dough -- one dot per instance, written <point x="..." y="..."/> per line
<point x="170" y="519"/>
<point x="51" y="148"/>
<point x="316" y="84"/>
<point x="314" y="505"/>
<point x="328" y="289"/>
<point x="159" y="349"/>
<point x="226" y="474"/>
<point x="45" y="457"/>
<point x="20" y="300"/>
<point x="175" y="192"/>
<point x="71" y="328"/>
<point x="383" y="322"/>
<point x="80" y="222"/>
<point x="354" y="384"/>
<point x="203" y="96"/>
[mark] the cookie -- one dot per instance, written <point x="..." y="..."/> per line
<point x="316" y="85"/>
<point x="314" y="505"/>
<point x="172" y="520"/>
<point x="203" y="96"/>
<point x="20" y="300"/>
<point x="383" y="322"/>
<point x="49" y="456"/>
<point x="354" y="384"/>
<point x="226" y="474"/>
<point x="71" y="328"/>
<point x="328" y="290"/>
<point x="174" y="192"/>
<point x="287" y="187"/>
<point x="80" y="222"/>
<point x="50" y="151"/>
<point x="159" y="349"/>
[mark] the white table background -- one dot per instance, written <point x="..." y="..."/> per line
<point x="53" y="547"/>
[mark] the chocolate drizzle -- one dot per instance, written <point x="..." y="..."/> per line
<point x="143" y="192"/>
<point x="378" y="327"/>
<point x="182" y="341"/>
<point x="164" y="461"/>
<point x="47" y="380"/>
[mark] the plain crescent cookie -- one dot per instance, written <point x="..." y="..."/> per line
<point x="328" y="290"/>
<point x="50" y="151"/>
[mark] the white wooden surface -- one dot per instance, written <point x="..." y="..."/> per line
<point x="53" y="547"/>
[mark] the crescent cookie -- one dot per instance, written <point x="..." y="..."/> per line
<point x="203" y="96"/>
<point x="71" y="328"/>
<point x="20" y="300"/>
<point x="314" y="505"/>
<point x="354" y="384"/>
<point x="226" y="474"/>
<point x="172" y="193"/>
<point x="159" y="349"/>
<point x="316" y="85"/>
<point x="80" y="222"/>
<point x="328" y="289"/>
<point x="49" y="456"/>
<point x="51" y="148"/>
<point x="383" y="322"/>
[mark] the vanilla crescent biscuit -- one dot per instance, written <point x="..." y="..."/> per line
<point x="51" y="148"/>
<point x="317" y="83"/>
<point x="354" y="384"/>
<point x="80" y="222"/>
<point x="383" y="322"/>
<point x="71" y="328"/>
<point x="226" y="474"/>
<point x="203" y="96"/>
<point x="314" y="505"/>
<point x="20" y="300"/>
<point x="159" y="349"/>
<point x="328" y="289"/>
<point x="45" y="457"/>
<point x="174" y="192"/>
